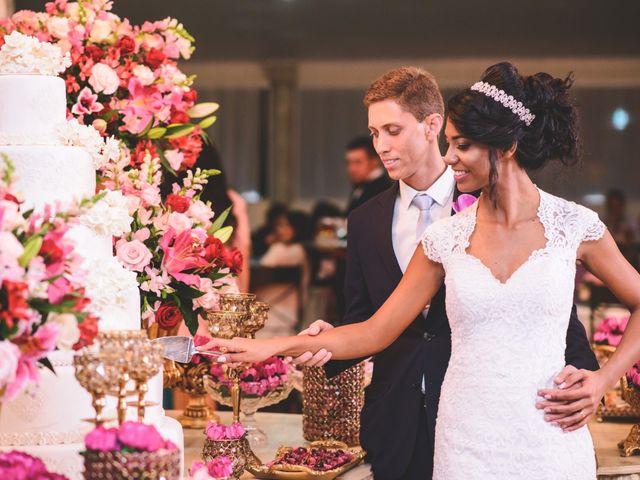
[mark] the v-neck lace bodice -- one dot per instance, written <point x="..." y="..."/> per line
<point x="508" y="340"/>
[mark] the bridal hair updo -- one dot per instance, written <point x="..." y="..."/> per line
<point x="552" y="135"/>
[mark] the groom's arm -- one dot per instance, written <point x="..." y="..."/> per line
<point x="578" y="352"/>
<point x="358" y="302"/>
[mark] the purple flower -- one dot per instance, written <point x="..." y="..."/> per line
<point x="463" y="201"/>
<point x="140" y="437"/>
<point x="102" y="439"/>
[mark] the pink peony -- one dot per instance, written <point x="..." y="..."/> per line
<point x="102" y="439"/>
<point x="235" y="430"/>
<point x="104" y="79"/>
<point x="140" y="436"/>
<point x="179" y="221"/>
<point x="215" y="431"/>
<point x="134" y="254"/>
<point x="220" y="467"/>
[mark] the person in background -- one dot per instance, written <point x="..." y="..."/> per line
<point x="622" y="226"/>
<point x="264" y="236"/>
<point x="365" y="172"/>
<point x="222" y="197"/>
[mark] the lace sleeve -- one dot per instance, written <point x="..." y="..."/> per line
<point x="593" y="228"/>
<point x="435" y="240"/>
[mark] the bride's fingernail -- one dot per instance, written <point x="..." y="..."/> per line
<point x="222" y="359"/>
<point x="562" y="385"/>
<point x="547" y="396"/>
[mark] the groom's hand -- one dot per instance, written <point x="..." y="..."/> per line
<point x="576" y="398"/>
<point x="308" y="359"/>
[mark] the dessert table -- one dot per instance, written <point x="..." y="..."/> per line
<point x="286" y="429"/>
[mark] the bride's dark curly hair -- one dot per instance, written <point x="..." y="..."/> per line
<point x="553" y="134"/>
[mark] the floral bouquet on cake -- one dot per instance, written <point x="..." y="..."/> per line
<point x="131" y="450"/>
<point x="124" y="79"/>
<point x="43" y="305"/>
<point x="174" y="247"/>
<point x="17" y="465"/>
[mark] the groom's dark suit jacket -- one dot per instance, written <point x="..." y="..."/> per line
<point x="393" y="401"/>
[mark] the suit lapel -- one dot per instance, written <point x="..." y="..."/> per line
<point x="383" y="233"/>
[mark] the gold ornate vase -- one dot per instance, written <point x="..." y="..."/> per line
<point x="331" y="407"/>
<point x="630" y="445"/>
<point x="197" y="413"/>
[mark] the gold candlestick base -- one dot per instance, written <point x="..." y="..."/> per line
<point x="631" y="445"/>
<point x="197" y="414"/>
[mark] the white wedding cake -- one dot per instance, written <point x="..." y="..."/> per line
<point x="56" y="161"/>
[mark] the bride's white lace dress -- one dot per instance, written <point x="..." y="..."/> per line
<point x="508" y="340"/>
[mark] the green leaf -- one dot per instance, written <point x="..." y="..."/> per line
<point x="219" y="221"/>
<point x="179" y="130"/>
<point x="186" y="291"/>
<point x="207" y="122"/>
<point x="202" y="110"/>
<point x="190" y="319"/>
<point x="224" y="233"/>
<point x="31" y="249"/>
<point x="156" y="133"/>
<point x="47" y="363"/>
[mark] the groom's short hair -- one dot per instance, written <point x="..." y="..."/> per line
<point x="414" y="89"/>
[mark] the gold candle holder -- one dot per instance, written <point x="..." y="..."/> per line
<point x="226" y="324"/>
<point x="147" y="361"/>
<point x="236" y="302"/>
<point x="630" y="445"/>
<point x="237" y="450"/>
<point x="91" y="374"/>
<point x="197" y="413"/>
<point x="258" y="318"/>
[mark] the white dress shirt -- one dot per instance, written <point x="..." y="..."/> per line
<point x="404" y="236"/>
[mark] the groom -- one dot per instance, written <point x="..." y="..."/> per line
<point x="401" y="404"/>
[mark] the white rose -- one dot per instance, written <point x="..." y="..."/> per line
<point x="68" y="328"/>
<point x="100" y="31"/>
<point x="201" y="212"/>
<point x="9" y="355"/>
<point x="144" y="74"/>
<point x="179" y="221"/>
<point x="104" y="79"/>
<point x="59" y="27"/>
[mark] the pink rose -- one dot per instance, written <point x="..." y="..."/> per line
<point x="140" y="436"/>
<point x="220" y="467"/>
<point x="179" y="221"/>
<point x="104" y="79"/>
<point x="9" y="356"/>
<point x="215" y="431"/>
<point x="235" y="430"/>
<point x="134" y="254"/>
<point x="102" y="439"/>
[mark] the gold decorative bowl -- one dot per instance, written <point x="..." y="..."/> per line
<point x="300" y="472"/>
<point x="132" y="465"/>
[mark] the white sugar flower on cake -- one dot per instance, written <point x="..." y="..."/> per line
<point x="109" y="216"/>
<point x="23" y="54"/>
<point x="102" y="151"/>
<point x="108" y="283"/>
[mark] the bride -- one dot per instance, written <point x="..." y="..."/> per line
<point x="508" y="262"/>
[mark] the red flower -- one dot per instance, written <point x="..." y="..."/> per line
<point x="137" y="157"/>
<point x="155" y="57"/>
<point x="178" y="203"/>
<point x="190" y="146"/>
<point x="126" y="45"/>
<point x="72" y="84"/>
<point x="190" y="96"/>
<point x="233" y="259"/>
<point x="168" y="315"/>
<point x="179" y="117"/>
<point x="13" y="302"/>
<point x="213" y="249"/>
<point x="88" y="331"/>
<point x="94" y="52"/>
<point x="51" y="252"/>
<point x="10" y="197"/>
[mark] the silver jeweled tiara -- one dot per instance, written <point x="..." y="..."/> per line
<point x="505" y="99"/>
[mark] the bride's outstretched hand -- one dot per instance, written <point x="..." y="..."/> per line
<point x="241" y="350"/>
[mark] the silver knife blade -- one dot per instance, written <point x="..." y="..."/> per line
<point x="177" y="348"/>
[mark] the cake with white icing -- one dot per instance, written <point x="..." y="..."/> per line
<point x="55" y="162"/>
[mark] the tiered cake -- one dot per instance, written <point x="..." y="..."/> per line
<point x="47" y="421"/>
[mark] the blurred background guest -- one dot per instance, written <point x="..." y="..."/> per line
<point x="622" y="226"/>
<point x="365" y="172"/>
<point x="265" y="235"/>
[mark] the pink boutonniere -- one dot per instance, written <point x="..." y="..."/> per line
<point x="465" y="200"/>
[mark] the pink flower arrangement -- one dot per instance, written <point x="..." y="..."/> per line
<point x="217" y="469"/>
<point x="42" y="302"/>
<point x="130" y="436"/>
<point x="257" y="380"/>
<point x="610" y="331"/>
<point x="633" y="376"/>
<point x="124" y="75"/>
<point x="218" y="431"/>
<point x="15" y="465"/>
